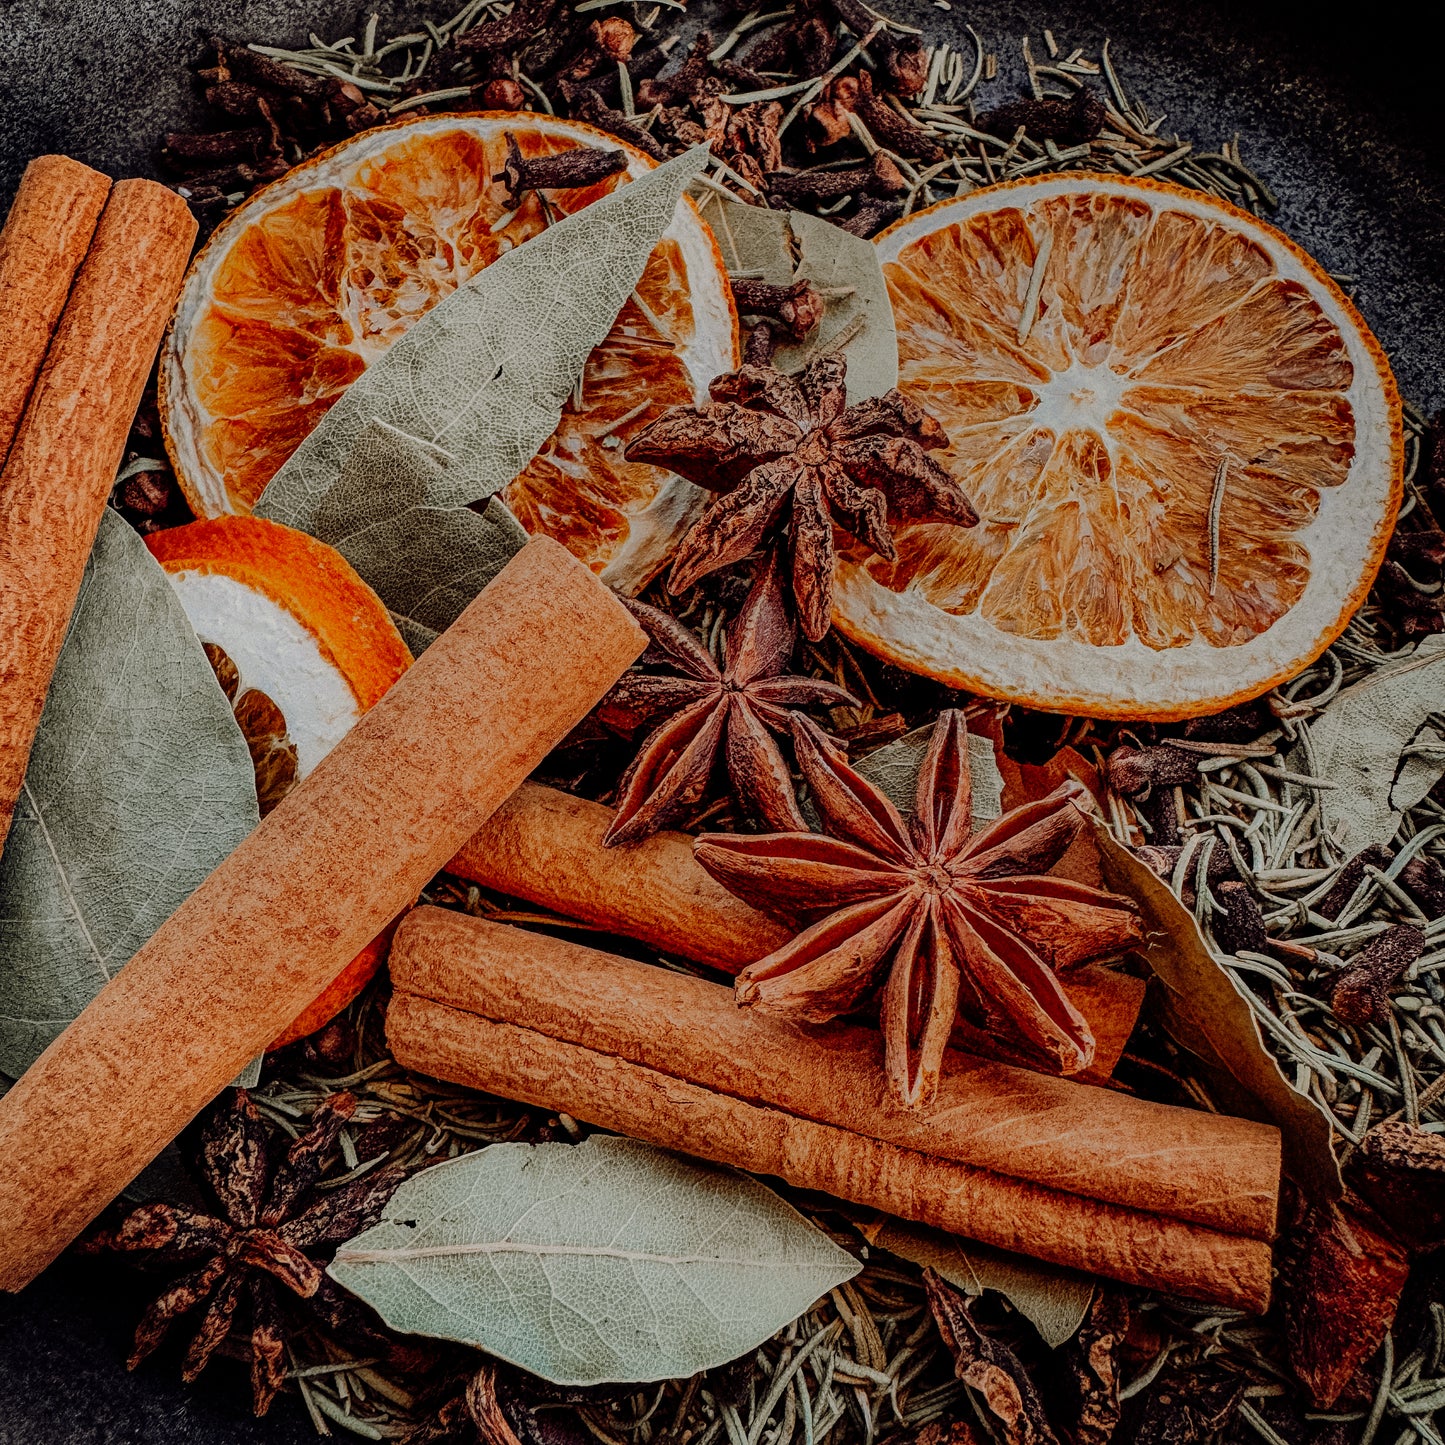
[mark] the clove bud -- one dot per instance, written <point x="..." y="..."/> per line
<point x="1361" y="994"/>
<point x="1135" y="771"/>
<point x="567" y="170"/>
<point x="1067" y="122"/>
<point x="890" y="128"/>
<point x="794" y="310"/>
<point x="880" y="177"/>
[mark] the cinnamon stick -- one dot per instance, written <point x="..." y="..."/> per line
<point x="63" y="460"/>
<point x="45" y="238"/>
<point x="614" y="1093"/>
<point x="545" y="846"/>
<point x="347" y="849"/>
<point x="1203" y="1168"/>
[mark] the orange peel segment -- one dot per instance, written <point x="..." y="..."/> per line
<point x="302" y="631"/>
<point x="315" y="276"/>
<point x="1183" y="442"/>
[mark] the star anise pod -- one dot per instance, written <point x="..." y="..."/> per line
<point x="956" y="923"/>
<point x="769" y="444"/>
<point x="261" y="1237"/>
<point x="733" y="711"/>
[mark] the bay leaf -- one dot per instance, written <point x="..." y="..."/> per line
<point x="783" y="246"/>
<point x="1360" y="737"/>
<point x="425" y="559"/>
<point x="1052" y="1299"/>
<point x="894" y="769"/>
<point x="484" y="374"/>
<point x="139" y="784"/>
<point x="1204" y="1009"/>
<point x="610" y="1260"/>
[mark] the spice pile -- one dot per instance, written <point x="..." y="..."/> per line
<point x="1338" y="949"/>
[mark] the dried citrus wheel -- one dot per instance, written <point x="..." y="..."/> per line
<point x="1183" y="443"/>
<point x="318" y="273"/>
<point x="302" y="647"/>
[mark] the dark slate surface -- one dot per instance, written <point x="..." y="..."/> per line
<point x="1341" y="117"/>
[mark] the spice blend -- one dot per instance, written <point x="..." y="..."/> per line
<point x="836" y="109"/>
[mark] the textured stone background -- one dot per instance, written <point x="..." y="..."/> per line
<point x="1341" y="117"/>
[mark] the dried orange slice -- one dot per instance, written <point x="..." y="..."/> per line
<point x="318" y="273"/>
<point x="302" y="647"/>
<point x="1183" y="443"/>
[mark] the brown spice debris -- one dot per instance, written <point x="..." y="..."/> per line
<point x="989" y="1367"/>
<point x="1341" y="1273"/>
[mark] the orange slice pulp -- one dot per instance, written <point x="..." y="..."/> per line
<point x="1183" y="443"/>
<point x="314" y="276"/>
<point x="302" y="647"/>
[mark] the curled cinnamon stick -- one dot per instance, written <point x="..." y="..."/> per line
<point x="614" y="1093"/>
<point x="1203" y="1168"/>
<point x="42" y="245"/>
<point x="63" y="460"/>
<point x="345" y="851"/>
<point x="546" y="846"/>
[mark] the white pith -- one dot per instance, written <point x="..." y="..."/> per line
<point x="657" y="526"/>
<point x="275" y="654"/>
<point x="1343" y="540"/>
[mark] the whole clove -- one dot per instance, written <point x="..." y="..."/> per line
<point x="871" y="216"/>
<point x="1136" y="771"/>
<point x="905" y="63"/>
<point x="1422" y="878"/>
<point x="582" y="166"/>
<point x="879" y="178"/>
<point x="527" y="20"/>
<point x="592" y="108"/>
<point x="1069" y="122"/>
<point x="1241" y="926"/>
<point x="187" y="154"/>
<point x="890" y="128"/>
<point x="1350" y="877"/>
<point x="794" y="311"/>
<point x="260" y="70"/>
<point x="1361" y="994"/>
<point x="609" y="44"/>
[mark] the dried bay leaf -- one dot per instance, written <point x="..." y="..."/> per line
<point x="484" y="374"/>
<point x="139" y="784"/>
<point x="1052" y="1299"/>
<point x="894" y="768"/>
<point x="610" y="1260"/>
<point x="1205" y="1011"/>
<point x="425" y="559"/>
<point x="783" y="246"/>
<point x="1359" y="742"/>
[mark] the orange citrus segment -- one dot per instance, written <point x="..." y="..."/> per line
<point x="316" y="275"/>
<point x="296" y="630"/>
<point x="1183" y="444"/>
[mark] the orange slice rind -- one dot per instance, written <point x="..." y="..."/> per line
<point x="315" y="276"/>
<point x="297" y="635"/>
<point x="1184" y="444"/>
